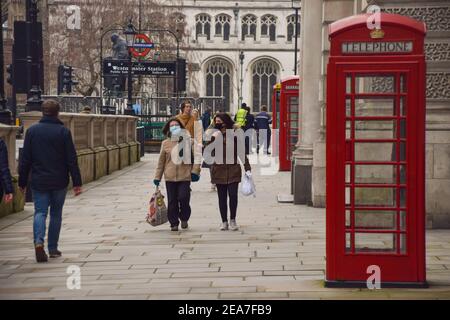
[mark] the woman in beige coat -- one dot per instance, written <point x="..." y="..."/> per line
<point x="178" y="173"/>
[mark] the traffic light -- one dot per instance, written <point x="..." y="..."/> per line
<point x="65" y="81"/>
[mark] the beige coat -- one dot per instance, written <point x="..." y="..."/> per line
<point x="173" y="172"/>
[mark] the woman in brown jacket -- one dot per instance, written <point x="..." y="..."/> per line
<point x="227" y="176"/>
<point x="178" y="173"/>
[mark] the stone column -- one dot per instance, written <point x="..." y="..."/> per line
<point x="309" y="123"/>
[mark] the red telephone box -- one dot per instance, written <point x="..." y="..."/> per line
<point x="376" y="152"/>
<point x="286" y="117"/>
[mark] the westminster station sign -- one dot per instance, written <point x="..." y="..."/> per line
<point x="120" y="68"/>
<point x="377" y="47"/>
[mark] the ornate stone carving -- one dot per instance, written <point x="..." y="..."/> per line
<point x="438" y="85"/>
<point x="436" y="18"/>
<point x="437" y="51"/>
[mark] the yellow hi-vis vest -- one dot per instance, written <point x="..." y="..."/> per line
<point x="240" y="117"/>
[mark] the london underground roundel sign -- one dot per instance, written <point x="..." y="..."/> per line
<point x="142" y="45"/>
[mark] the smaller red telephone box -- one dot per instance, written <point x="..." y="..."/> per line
<point x="376" y="153"/>
<point x="285" y="118"/>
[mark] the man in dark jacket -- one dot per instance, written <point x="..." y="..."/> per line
<point x="49" y="154"/>
<point x="206" y="119"/>
<point x="6" y="187"/>
<point x="263" y="122"/>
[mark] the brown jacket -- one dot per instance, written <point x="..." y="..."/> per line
<point x="173" y="172"/>
<point x="228" y="173"/>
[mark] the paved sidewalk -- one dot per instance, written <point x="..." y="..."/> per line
<point x="277" y="254"/>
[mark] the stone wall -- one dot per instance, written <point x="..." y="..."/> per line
<point x="8" y="134"/>
<point x="104" y="143"/>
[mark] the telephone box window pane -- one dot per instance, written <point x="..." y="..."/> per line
<point x="375" y="107"/>
<point x="402" y="129"/>
<point x="376" y="174"/>
<point x="403" y="106"/>
<point x="348" y="84"/>
<point x="375" y="84"/>
<point x="376" y="151"/>
<point x="348" y="107"/>
<point x="402" y="197"/>
<point x="293" y="104"/>
<point x="403" y="86"/>
<point x="348" y="173"/>
<point x="402" y="220"/>
<point x="376" y="197"/>
<point x="347" y="196"/>
<point x="348" y="221"/>
<point x="348" y="242"/>
<point x="375" y="129"/>
<point x="348" y="130"/>
<point x="375" y="242"/>
<point x="402" y="179"/>
<point x="380" y="220"/>
<point x="402" y="151"/>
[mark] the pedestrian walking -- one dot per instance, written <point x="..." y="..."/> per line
<point x="206" y="119"/>
<point x="6" y="186"/>
<point x="226" y="175"/>
<point x="263" y="132"/>
<point x="49" y="155"/>
<point x="187" y="118"/>
<point x="178" y="173"/>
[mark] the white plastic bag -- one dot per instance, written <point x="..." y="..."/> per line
<point x="248" y="185"/>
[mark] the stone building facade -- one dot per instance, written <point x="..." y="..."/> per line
<point x="217" y="31"/>
<point x="310" y="165"/>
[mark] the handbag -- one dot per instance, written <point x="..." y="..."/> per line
<point x="157" y="212"/>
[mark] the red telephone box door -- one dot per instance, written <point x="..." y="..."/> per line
<point x="378" y="201"/>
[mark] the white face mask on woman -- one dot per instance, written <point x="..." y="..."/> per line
<point x="175" y="130"/>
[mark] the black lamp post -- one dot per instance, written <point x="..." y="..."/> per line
<point x="296" y="5"/>
<point x="241" y="59"/>
<point x="130" y="34"/>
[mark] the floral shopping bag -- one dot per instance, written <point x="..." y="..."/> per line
<point x="157" y="212"/>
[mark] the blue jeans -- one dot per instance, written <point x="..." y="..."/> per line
<point x="42" y="201"/>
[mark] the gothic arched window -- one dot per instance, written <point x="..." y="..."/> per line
<point x="291" y="27"/>
<point x="223" y="23"/>
<point x="269" y="26"/>
<point x="265" y="76"/>
<point x="249" y="26"/>
<point x="218" y="80"/>
<point x="203" y="25"/>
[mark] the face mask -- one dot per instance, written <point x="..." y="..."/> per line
<point x="219" y="126"/>
<point x="175" y="130"/>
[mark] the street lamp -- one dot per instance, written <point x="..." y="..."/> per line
<point x="241" y="59"/>
<point x="130" y="34"/>
<point x="296" y="5"/>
